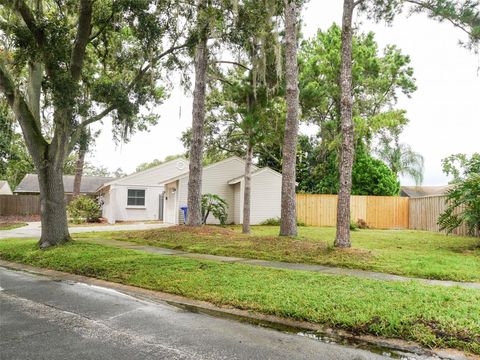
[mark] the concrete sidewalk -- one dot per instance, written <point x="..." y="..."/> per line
<point x="284" y="265"/>
<point x="33" y="229"/>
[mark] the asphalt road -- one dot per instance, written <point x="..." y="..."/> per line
<point x="41" y="318"/>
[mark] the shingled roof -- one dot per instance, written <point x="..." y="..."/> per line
<point x="5" y="188"/>
<point x="89" y="185"/>
<point x="419" y="191"/>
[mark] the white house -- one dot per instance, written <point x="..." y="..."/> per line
<point x="159" y="193"/>
<point x="139" y="196"/>
<point x="5" y="188"/>
<point x="226" y="179"/>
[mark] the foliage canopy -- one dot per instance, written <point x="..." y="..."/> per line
<point x="463" y="200"/>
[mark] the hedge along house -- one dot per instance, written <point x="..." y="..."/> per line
<point x="226" y="179"/>
<point x="139" y="196"/>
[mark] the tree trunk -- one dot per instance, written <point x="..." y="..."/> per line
<point x="52" y="203"/>
<point x="80" y="163"/>
<point x="247" y="190"/>
<point x="194" y="217"/>
<point x="77" y="181"/>
<point x="347" y="153"/>
<point x="288" y="223"/>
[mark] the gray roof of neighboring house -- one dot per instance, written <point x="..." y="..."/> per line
<point x="2" y="182"/>
<point x="419" y="191"/>
<point x="89" y="184"/>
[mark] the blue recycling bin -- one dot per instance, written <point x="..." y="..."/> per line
<point x="185" y="212"/>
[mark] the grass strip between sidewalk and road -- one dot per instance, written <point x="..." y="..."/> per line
<point x="401" y="252"/>
<point x="430" y="315"/>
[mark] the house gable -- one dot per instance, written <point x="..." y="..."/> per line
<point x="215" y="179"/>
<point x="5" y="188"/>
<point x="263" y="170"/>
<point x="155" y="175"/>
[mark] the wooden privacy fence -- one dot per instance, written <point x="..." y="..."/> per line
<point x="18" y="205"/>
<point x="424" y="213"/>
<point x="379" y="212"/>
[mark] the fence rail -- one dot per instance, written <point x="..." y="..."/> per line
<point x="379" y="212"/>
<point x="18" y="205"/>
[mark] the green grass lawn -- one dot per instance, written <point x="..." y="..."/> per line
<point x="407" y="252"/>
<point x="431" y="315"/>
<point x="11" y="225"/>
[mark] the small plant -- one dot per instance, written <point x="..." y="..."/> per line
<point x="271" y="222"/>
<point x="84" y="209"/>
<point x="215" y="205"/>
<point x="362" y="224"/>
<point x="353" y="225"/>
<point x="276" y="222"/>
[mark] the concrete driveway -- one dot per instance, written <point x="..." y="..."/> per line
<point x="33" y="229"/>
<point x="45" y="319"/>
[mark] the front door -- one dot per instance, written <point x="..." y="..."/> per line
<point x="170" y="205"/>
<point x="161" y="198"/>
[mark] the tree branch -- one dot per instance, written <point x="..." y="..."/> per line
<point x="358" y="2"/>
<point x="81" y="40"/>
<point x="232" y="63"/>
<point x="454" y="22"/>
<point x="109" y="109"/>
<point x="163" y="54"/>
<point x="31" y="131"/>
<point x="102" y="29"/>
<point x="211" y="77"/>
<point x="22" y="9"/>
<point x="98" y="116"/>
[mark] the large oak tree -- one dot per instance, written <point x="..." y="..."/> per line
<point x="66" y="65"/>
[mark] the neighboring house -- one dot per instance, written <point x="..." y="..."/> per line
<point x="420" y="191"/>
<point x="5" y="188"/>
<point x="139" y="196"/>
<point x="89" y="184"/>
<point x="226" y="179"/>
<point x="158" y="193"/>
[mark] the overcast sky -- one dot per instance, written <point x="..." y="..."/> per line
<point x="444" y="112"/>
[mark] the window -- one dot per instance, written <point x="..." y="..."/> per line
<point x="136" y="197"/>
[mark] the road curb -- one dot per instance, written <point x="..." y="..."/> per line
<point x="303" y="328"/>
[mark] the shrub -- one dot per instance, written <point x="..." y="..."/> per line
<point x="353" y="225"/>
<point x="276" y="222"/>
<point x="371" y="176"/>
<point x="463" y="200"/>
<point x="215" y="205"/>
<point x="271" y="222"/>
<point x="84" y="209"/>
<point x="362" y="224"/>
